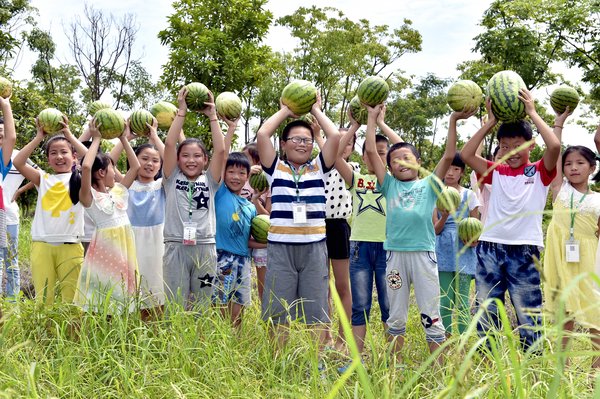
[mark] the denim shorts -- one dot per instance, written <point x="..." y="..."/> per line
<point x="233" y="279"/>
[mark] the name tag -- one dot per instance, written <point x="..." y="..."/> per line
<point x="189" y="233"/>
<point x="299" y="212"/>
<point x="572" y="251"/>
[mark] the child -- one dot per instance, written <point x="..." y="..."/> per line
<point x="110" y="268"/>
<point x="367" y="256"/>
<point x="8" y="138"/>
<point x="190" y="260"/>
<point x="484" y="190"/>
<point x="410" y="237"/>
<point x="297" y="254"/>
<point x="575" y="218"/>
<point x="508" y="248"/>
<point x="455" y="271"/>
<point x="57" y="227"/>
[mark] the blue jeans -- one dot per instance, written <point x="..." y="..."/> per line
<point x="10" y="263"/>
<point x="505" y="267"/>
<point x="367" y="260"/>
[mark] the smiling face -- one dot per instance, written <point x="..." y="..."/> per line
<point x="60" y="156"/>
<point x="191" y="160"/>
<point x="519" y="158"/>
<point x="404" y="165"/>
<point x="298" y="153"/>
<point x="149" y="159"/>
<point x="577" y="169"/>
<point x="235" y="178"/>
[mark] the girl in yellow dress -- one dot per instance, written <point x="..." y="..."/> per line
<point x="572" y="243"/>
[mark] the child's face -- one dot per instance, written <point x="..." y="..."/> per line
<point x="508" y="144"/>
<point x="235" y="178"/>
<point x="149" y="159"/>
<point x="404" y="165"/>
<point x="191" y="160"/>
<point x="298" y="153"/>
<point x="453" y="175"/>
<point x="348" y="149"/>
<point x="382" y="150"/>
<point x="60" y="156"/>
<point x="577" y="169"/>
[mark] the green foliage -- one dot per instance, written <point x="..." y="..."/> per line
<point x="15" y="16"/>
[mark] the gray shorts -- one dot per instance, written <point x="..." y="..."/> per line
<point x="297" y="283"/>
<point x="189" y="272"/>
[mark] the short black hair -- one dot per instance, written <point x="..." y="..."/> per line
<point x="293" y="124"/>
<point x="238" y="159"/>
<point x="520" y="128"/>
<point x="457" y="161"/>
<point x="379" y="138"/>
<point x="397" y="146"/>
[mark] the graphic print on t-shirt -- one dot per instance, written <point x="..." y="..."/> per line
<point x="408" y="198"/>
<point x="57" y="200"/>
<point x="369" y="200"/>
<point x="200" y="195"/>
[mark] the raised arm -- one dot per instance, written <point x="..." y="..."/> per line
<point x="217" y="163"/>
<point x="231" y="126"/>
<point x="266" y="151"/>
<point x="469" y="151"/>
<point x="78" y="146"/>
<point x="444" y="163"/>
<point x="597" y="138"/>
<point x="134" y="163"/>
<point x="387" y="131"/>
<point x="341" y="165"/>
<point x="85" y="192"/>
<point x="332" y="133"/>
<point x="154" y="139"/>
<point x="170" y="157"/>
<point x="370" y="144"/>
<point x="10" y="135"/>
<point x="20" y="161"/>
<point x="559" y="124"/>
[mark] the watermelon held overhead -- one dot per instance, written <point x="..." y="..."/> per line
<point x="562" y="97"/>
<point x="96" y="106"/>
<point x="358" y="111"/>
<point x="260" y="228"/>
<point x="373" y="90"/>
<point x="503" y="89"/>
<point x="164" y="112"/>
<point x="110" y="123"/>
<point x="469" y="230"/>
<point x="139" y="121"/>
<point x="258" y="181"/>
<point x="228" y="105"/>
<point x="50" y="120"/>
<point x="448" y="200"/>
<point x="464" y="95"/>
<point x="299" y="96"/>
<point x="197" y="96"/>
<point x="5" y="87"/>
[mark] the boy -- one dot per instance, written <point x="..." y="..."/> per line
<point x="512" y="234"/>
<point x="234" y="219"/>
<point x="297" y="277"/>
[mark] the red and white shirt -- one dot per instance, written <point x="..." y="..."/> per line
<point x="516" y="204"/>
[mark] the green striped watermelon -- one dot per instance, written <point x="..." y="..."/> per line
<point x="228" y="105"/>
<point x="308" y="118"/>
<point x="562" y="97"/>
<point x="358" y="111"/>
<point x="299" y="96"/>
<point x="138" y="121"/>
<point x="96" y="106"/>
<point x="5" y="87"/>
<point x="50" y="120"/>
<point x="503" y="88"/>
<point x="464" y="94"/>
<point x="260" y="228"/>
<point x="470" y="229"/>
<point x="258" y="181"/>
<point x="164" y="112"/>
<point x="110" y="123"/>
<point x="373" y="90"/>
<point x="196" y="97"/>
<point x="448" y="200"/>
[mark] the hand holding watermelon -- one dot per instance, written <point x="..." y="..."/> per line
<point x="527" y="99"/>
<point x="94" y="127"/>
<point x="373" y="112"/>
<point x="65" y="126"/>
<point x="287" y="110"/>
<point x="210" y="110"/>
<point x="353" y="121"/>
<point x="491" y="118"/>
<point x="231" y="123"/>
<point x="381" y="116"/>
<point x="464" y="114"/>
<point x="181" y="104"/>
<point x="562" y="118"/>
<point x="40" y="133"/>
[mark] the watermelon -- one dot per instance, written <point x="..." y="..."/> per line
<point x="50" y="120"/>
<point x="138" y="120"/>
<point x="196" y="97"/>
<point x="503" y="88"/>
<point x="308" y="118"/>
<point x="5" y="87"/>
<point x="469" y="229"/>
<point x="358" y="111"/>
<point x="373" y="90"/>
<point x="258" y="181"/>
<point x="464" y="94"/>
<point x="299" y="96"/>
<point x="96" y="106"/>
<point x="562" y="97"/>
<point x="228" y="105"/>
<point x="260" y="228"/>
<point x="448" y="200"/>
<point x="110" y="123"/>
<point x="164" y="112"/>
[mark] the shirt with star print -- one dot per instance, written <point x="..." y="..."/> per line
<point x="368" y="209"/>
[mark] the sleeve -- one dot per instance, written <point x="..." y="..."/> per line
<point x="212" y="184"/>
<point x="546" y="176"/>
<point x="352" y="186"/>
<point x="487" y="179"/>
<point x="322" y="165"/>
<point x="384" y="188"/>
<point x="472" y="199"/>
<point x="271" y="169"/>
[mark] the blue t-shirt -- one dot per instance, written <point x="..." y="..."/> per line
<point x="409" y="225"/>
<point x="234" y="216"/>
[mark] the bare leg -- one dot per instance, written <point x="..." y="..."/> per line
<point x="151" y="314"/>
<point x="568" y="328"/>
<point x="398" y="343"/>
<point x="341" y="275"/>
<point x="433" y="346"/>
<point x="261" y="272"/>
<point x="235" y="310"/>
<point x="596" y="344"/>
<point x="359" y="333"/>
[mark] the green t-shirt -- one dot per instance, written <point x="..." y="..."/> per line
<point x="368" y="209"/>
<point x="409" y="224"/>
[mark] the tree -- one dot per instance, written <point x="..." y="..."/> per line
<point x="15" y="17"/>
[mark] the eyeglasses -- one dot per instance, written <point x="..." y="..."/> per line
<point x="298" y="140"/>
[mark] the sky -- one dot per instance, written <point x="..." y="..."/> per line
<point x="447" y="28"/>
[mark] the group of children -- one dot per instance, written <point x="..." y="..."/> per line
<point x="176" y="226"/>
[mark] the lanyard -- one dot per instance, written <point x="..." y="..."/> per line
<point x="191" y="185"/>
<point x="572" y="229"/>
<point x="296" y="176"/>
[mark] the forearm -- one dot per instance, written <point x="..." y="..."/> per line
<point x="389" y="133"/>
<point x="115" y="153"/>
<point x="176" y="128"/>
<point x="78" y="146"/>
<point x="90" y="156"/>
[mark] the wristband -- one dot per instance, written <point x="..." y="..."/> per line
<point x="557" y="126"/>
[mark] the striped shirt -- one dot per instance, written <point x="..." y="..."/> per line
<point x="311" y="191"/>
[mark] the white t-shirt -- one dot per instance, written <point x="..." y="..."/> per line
<point x="10" y="185"/>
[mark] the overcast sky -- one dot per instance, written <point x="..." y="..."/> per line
<point x="447" y="27"/>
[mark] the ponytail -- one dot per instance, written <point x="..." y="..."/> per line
<point x="74" y="184"/>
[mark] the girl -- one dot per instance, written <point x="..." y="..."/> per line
<point x="146" y="211"/>
<point x="575" y="221"/>
<point x="110" y="266"/>
<point x="190" y="260"/>
<point x="57" y="227"/>
<point x="456" y="265"/>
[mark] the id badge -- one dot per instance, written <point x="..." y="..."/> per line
<point x="572" y="250"/>
<point x="299" y="212"/>
<point x="189" y="233"/>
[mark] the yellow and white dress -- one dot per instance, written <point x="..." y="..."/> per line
<point x="567" y="282"/>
